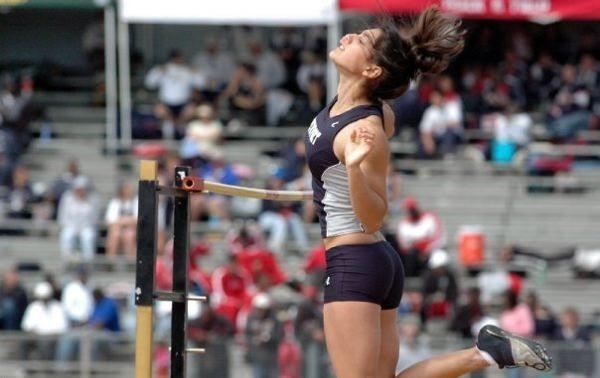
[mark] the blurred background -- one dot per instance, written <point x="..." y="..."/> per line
<point x="494" y="188"/>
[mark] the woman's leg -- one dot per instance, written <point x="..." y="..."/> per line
<point x="499" y="348"/>
<point x="449" y="365"/>
<point x="353" y="337"/>
<point x="389" y="345"/>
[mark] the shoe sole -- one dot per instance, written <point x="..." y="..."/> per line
<point x="545" y="363"/>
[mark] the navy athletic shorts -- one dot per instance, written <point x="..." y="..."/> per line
<point x="365" y="273"/>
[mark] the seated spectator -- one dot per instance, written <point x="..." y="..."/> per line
<point x="217" y="66"/>
<point x="270" y="69"/>
<point x="543" y="318"/>
<point x="494" y="282"/>
<point x="419" y="233"/>
<point x="231" y="284"/>
<point x="467" y="314"/>
<point x="438" y="131"/>
<point x="569" y="329"/>
<point x="453" y="112"/>
<point x="78" y="217"/>
<point x="45" y="319"/>
<point x="202" y="135"/>
<point x="104" y="317"/>
<point x="273" y="75"/>
<point x="121" y="220"/>
<point x="175" y="82"/>
<point x="244" y="96"/>
<point x="77" y="299"/>
<point x="13" y="301"/>
<point x="278" y="217"/>
<point x="574" y="356"/>
<point x="308" y="328"/>
<point x="64" y="182"/>
<point x="440" y="288"/>
<point x="542" y="72"/>
<point x="294" y="161"/>
<point x="261" y="263"/>
<point x="516" y="317"/>
<point x="247" y="236"/>
<point x="214" y="207"/>
<point x="20" y="195"/>
<point x="213" y="332"/>
<point x="15" y="113"/>
<point x="414" y="346"/>
<point x="263" y="334"/>
<point x="569" y="112"/>
<point x="310" y="78"/>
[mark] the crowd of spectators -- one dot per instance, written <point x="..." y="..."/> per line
<point x="530" y="85"/>
<point x="275" y="314"/>
<point x="58" y="316"/>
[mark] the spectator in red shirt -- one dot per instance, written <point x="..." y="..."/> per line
<point x="419" y="233"/>
<point x="230" y="284"/>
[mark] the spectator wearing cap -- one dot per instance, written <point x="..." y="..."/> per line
<point x="440" y="287"/>
<point x="78" y="217"/>
<point x="63" y="183"/>
<point x="264" y="333"/>
<point x="419" y="233"/>
<point x="44" y="318"/>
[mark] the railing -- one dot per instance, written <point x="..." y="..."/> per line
<point x="23" y="354"/>
<point x="226" y="355"/>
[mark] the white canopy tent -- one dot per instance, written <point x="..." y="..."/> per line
<point x="220" y="12"/>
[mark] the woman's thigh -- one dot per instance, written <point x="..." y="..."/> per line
<point x="353" y="336"/>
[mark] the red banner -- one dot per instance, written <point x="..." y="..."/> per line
<point x="535" y="10"/>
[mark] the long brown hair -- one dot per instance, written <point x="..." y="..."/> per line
<point x="426" y="45"/>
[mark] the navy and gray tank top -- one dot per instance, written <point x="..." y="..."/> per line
<point x="331" y="194"/>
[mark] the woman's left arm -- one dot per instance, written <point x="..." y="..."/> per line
<point x="366" y="156"/>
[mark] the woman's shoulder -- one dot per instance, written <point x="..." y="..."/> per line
<point x="389" y="119"/>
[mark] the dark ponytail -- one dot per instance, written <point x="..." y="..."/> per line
<point x="435" y="40"/>
<point x="425" y="46"/>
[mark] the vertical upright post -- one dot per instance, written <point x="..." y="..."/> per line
<point x="181" y="224"/>
<point x="145" y="265"/>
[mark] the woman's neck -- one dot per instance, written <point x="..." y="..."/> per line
<point x="350" y="93"/>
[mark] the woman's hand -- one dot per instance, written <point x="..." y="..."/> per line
<point x="359" y="146"/>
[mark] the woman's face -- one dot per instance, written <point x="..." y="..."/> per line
<point x="355" y="51"/>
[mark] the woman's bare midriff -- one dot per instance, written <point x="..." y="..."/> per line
<point x="355" y="238"/>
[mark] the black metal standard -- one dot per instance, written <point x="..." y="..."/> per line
<point x="181" y="224"/>
<point x="145" y="265"/>
<point x="146" y="242"/>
